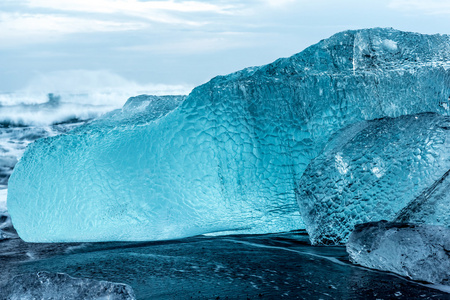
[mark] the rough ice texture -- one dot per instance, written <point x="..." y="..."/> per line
<point x="430" y="207"/>
<point x="14" y="140"/>
<point x="375" y="170"/>
<point x="49" y="286"/>
<point x="420" y="252"/>
<point x="230" y="155"/>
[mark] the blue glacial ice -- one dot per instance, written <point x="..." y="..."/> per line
<point x="419" y="252"/>
<point x="229" y="156"/>
<point x="385" y="169"/>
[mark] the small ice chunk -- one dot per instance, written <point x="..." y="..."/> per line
<point x="44" y="285"/>
<point x="420" y="252"/>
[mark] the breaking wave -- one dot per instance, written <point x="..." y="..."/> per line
<point x="73" y="96"/>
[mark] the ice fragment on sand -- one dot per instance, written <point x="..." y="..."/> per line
<point x="44" y="285"/>
<point x="420" y="252"/>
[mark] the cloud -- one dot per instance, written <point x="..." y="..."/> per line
<point x="25" y="28"/>
<point x="432" y="7"/>
<point x="41" y="21"/>
<point x="129" y="6"/>
<point x="156" y="11"/>
<point x="37" y="21"/>
<point x="197" y="44"/>
<point x="279" y="3"/>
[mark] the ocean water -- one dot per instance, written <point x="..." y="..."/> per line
<point x="270" y="266"/>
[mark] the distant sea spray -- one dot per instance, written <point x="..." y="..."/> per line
<point x="57" y="108"/>
<point x="73" y="95"/>
<point x="53" y="108"/>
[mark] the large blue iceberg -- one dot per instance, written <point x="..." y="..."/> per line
<point x="385" y="169"/>
<point x="229" y="156"/>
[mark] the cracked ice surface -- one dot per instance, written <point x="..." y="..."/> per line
<point x="419" y="252"/>
<point x="230" y="155"/>
<point x="376" y="170"/>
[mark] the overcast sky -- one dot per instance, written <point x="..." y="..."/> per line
<point x="71" y="44"/>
